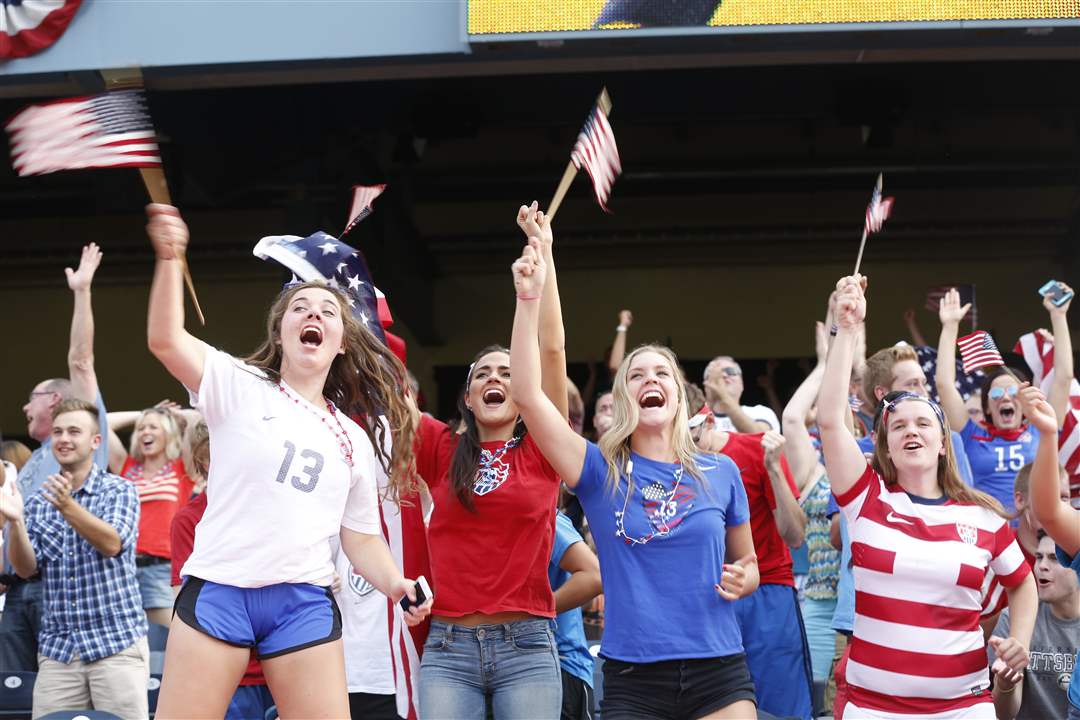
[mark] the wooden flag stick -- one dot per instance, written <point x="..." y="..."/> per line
<point x="862" y="243"/>
<point x="862" y="246"/>
<point x="603" y="101"/>
<point x="560" y="192"/>
<point x="154" y="179"/>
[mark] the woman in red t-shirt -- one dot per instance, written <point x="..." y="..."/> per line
<point x="152" y="461"/>
<point x="490" y="538"/>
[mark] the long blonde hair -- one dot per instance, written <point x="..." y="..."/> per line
<point x="614" y="444"/>
<point x="948" y="475"/>
<point x="172" y="435"/>
<point x="366" y="381"/>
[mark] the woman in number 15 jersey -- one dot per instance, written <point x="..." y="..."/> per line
<point x="288" y="472"/>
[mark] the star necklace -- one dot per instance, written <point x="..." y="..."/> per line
<point x="342" y="437"/>
<point x="664" y="530"/>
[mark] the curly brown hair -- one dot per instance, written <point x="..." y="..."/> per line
<point x="366" y="381"/>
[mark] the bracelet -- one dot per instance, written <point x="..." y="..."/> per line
<point x="528" y="297"/>
<point x="1006" y="692"/>
<point x="833" y="330"/>
<point x="620" y="328"/>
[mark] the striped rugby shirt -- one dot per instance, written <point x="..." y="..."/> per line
<point x="919" y="570"/>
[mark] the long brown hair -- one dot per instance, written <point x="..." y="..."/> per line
<point x="367" y="381"/>
<point x="466" y="459"/>
<point x="947" y="473"/>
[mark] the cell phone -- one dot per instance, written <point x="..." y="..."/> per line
<point x="423" y="593"/>
<point x="1056" y="292"/>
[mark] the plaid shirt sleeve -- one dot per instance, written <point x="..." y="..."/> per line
<point x="46" y="538"/>
<point x="122" y="513"/>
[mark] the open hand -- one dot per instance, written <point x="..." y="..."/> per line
<point x="851" y="301"/>
<point x="57" y="490"/>
<point x="1037" y="409"/>
<point x="950" y="311"/>
<point x="733" y="578"/>
<point x="11" y="504"/>
<point x="529" y="271"/>
<point x="717" y="394"/>
<point x="167" y="230"/>
<point x="88" y="264"/>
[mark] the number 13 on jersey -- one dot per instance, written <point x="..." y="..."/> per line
<point x="312" y="470"/>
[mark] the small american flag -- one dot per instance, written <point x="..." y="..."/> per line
<point x="108" y="130"/>
<point x="595" y="150"/>
<point x="363" y="197"/>
<point x="878" y="210"/>
<point x="978" y="350"/>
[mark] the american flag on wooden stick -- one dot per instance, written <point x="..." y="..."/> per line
<point x="95" y="131"/>
<point x="978" y="350"/>
<point x="595" y="150"/>
<point x="877" y="212"/>
<point x="363" y="197"/>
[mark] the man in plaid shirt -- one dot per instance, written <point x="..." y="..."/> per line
<point x="79" y="532"/>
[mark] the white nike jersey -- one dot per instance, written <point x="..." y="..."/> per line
<point x="279" y="486"/>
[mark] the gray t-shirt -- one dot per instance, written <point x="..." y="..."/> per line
<point x="1053" y="649"/>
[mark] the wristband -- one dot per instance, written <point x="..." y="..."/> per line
<point x="620" y="328"/>
<point x="528" y="297"/>
<point x="833" y="330"/>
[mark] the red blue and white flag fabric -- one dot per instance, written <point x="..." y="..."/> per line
<point x="877" y="212"/>
<point x="321" y="257"/>
<point x="30" y="26"/>
<point x="595" y="150"/>
<point x="978" y="351"/>
<point x="363" y="197"/>
<point x="1038" y="351"/>
<point x="95" y="131"/>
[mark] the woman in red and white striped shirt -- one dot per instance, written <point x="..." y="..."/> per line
<point x="921" y="541"/>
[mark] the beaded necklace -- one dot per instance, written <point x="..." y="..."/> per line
<point x="663" y="530"/>
<point x="342" y="437"/>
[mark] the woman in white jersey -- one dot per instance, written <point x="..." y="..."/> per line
<point x="922" y="542"/>
<point x="289" y="471"/>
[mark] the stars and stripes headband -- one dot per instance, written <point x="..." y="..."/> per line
<point x="888" y="406"/>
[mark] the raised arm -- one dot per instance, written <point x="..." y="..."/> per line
<point x="844" y="462"/>
<point x="182" y="354"/>
<point x="1060" y="520"/>
<point x="562" y="447"/>
<point x="20" y="551"/>
<point x="618" y="345"/>
<point x="1058" y="392"/>
<point x="799" y="448"/>
<point x="84" y="384"/>
<point x="950" y="312"/>
<point x="552" y="335"/>
<point x="789" y="516"/>
<point x="913" y="328"/>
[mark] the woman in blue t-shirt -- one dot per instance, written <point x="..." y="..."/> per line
<point x="1007" y="442"/>
<point x="1060" y="519"/>
<point x="670" y="524"/>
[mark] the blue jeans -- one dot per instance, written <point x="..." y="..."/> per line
<point x="20" y="626"/>
<point x="516" y="664"/>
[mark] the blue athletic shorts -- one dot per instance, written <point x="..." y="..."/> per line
<point x="275" y="620"/>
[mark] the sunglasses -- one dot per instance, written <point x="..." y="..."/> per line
<point x="731" y="371"/>
<point x="999" y="392"/>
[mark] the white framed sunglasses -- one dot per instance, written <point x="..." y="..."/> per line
<point x="999" y="392"/>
